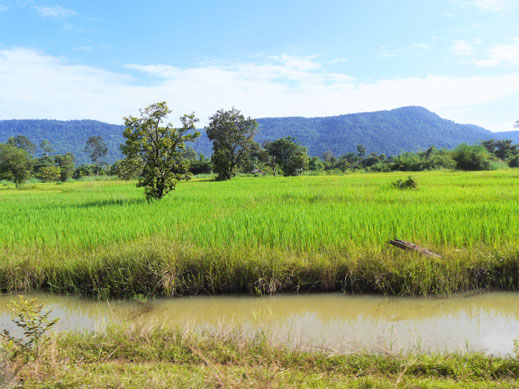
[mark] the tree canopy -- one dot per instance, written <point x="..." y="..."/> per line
<point x="15" y="164"/>
<point x="95" y="146"/>
<point x="233" y="136"/>
<point x="291" y="157"/>
<point x="161" y="148"/>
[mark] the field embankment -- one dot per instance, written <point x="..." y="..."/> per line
<point x="139" y="357"/>
<point x="264" y="235"/>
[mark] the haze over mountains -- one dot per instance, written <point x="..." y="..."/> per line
<point x="389" y="132"/>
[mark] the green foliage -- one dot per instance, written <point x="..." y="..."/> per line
<point x="23" y="143"/>
<point x="315" y="164"/>
<point x="83" y="171"/>
<point x="514" y="161"/>
<point x="66" y="164"/>
<point x="361" y="151"/>
<point x="160" y="148"/>
<point x="291" y="157"/>
<point x="472" y="157"/>
<point x="200" y="166"/>
<point x="233" y="137"/>
<point x="46" y="147"/>
<point x="407" y="183"/>
<point x="95" y="146"/>
<point x="50" y="173"/>
<point x="502" y="149"/>
<point x="34" y="322"/>
<point x="41" y="162"/>
<point x="127" y="169"/>
<point x="15" y="164"/>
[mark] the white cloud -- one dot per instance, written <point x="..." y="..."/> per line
<point x="462" y="48"/>
<point x="3" y="8"/>
<point x="339" y="60"/>
<point x="384" y="53"/>
<point x="56" y="11"/>
<point x="504" y="54"/>
<point x="492" y="5"/>
<point x="35" y="85"/>
<point x="82" y="48"/>
<point x="422" y="46"/>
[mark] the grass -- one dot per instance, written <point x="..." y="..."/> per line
<point x="133" y="357"/>
<point x="264" y="235"/>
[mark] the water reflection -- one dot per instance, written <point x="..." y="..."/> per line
<point x="487" y="322"/>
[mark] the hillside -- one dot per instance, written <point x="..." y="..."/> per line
<point x="389" y="132"/>
<point x="66" y="136"/>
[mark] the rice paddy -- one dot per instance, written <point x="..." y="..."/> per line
<point x="296" y="224"/>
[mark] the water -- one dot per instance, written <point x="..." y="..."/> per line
<point x="487" y="322"/>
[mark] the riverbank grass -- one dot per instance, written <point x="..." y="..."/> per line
<point x="133" y="357"/>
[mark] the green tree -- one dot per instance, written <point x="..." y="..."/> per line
<point x="472" y="157"/>
<point x="67" y="164"/>
<point x="255" y="159"/>
<point x="327" y="156"/>
<point x="202" y="165"/>
<point x="361" y="151"/>
<point x="190" y="153"/>
<point x="22" y="142"/>
<point x="161" y="148"/>
<point x="315" y="164"/>
<point x="50" y="173"/>
<point x="290" y="156"/>
<point x="96" y="147"/>
<point x="15" y="164"/>
<point x="342" y="165"/>
<point x="129" y="168"/>
<point x="233" y="137"/>
<point x="42" y="162"/>
<point x="502" y="149"/>
<point x="83" y="171"/>
<point x="46" y="147"/>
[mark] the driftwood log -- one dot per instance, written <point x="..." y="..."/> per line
<point x="402" y="244"/>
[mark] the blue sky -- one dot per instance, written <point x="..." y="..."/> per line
<point x="106" y="59"/>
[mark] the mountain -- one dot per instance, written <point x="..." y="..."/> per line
<point x="66" y="136"/>
<point x="514" y="135"/>
<point x="390" y="132"/>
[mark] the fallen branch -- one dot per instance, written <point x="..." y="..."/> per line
<point x="402" y="244"/>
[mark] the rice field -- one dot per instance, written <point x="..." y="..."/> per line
<point x="456" y="210"/>
<point x="351" y="216"/>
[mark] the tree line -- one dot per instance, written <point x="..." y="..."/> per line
<point x="160" y="156"/>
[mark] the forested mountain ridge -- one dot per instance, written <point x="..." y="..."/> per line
<point x="66" y="136"/>
<point x="389" y="132"/>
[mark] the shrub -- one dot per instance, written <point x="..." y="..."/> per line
<point x="34" y="322"/>
<point x="472" y="158"/>
<point x="407" y="183"/>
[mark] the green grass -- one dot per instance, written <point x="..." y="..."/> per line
<point x="264" y="234"/>
<point x="126" y="357"/>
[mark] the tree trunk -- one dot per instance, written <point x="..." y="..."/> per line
<point x="402" y="244"/>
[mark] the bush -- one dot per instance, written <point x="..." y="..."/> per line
<point x="472" y="158"/>
<point x="34" y="322"/>
<point x="407" y="183"/>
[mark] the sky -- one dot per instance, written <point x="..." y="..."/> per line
<point x="104" y="60"/>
